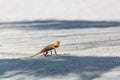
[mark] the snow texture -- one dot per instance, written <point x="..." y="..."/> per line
<point x="89" y="32"/>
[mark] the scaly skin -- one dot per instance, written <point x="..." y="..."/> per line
<point x="49" y="47"/>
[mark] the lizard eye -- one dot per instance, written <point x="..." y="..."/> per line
<point x="56" y="46"/>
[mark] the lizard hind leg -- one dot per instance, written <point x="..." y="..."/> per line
<point x="45" y="54"/>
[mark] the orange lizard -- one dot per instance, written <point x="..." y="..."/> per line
<point x="47" y="48"/>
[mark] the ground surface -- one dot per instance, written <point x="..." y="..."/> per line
<point x="89" y="32"/>
<point x="96" y="57"/>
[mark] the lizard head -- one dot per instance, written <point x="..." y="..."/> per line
<point x="56" y="43"/>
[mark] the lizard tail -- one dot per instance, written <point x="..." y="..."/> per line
<point x="36" y="54"/>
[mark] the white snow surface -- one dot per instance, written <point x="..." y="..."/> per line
<point x="89" y="32"/>
<point x="12" y="10"/>
<point x="97" y="56"/>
